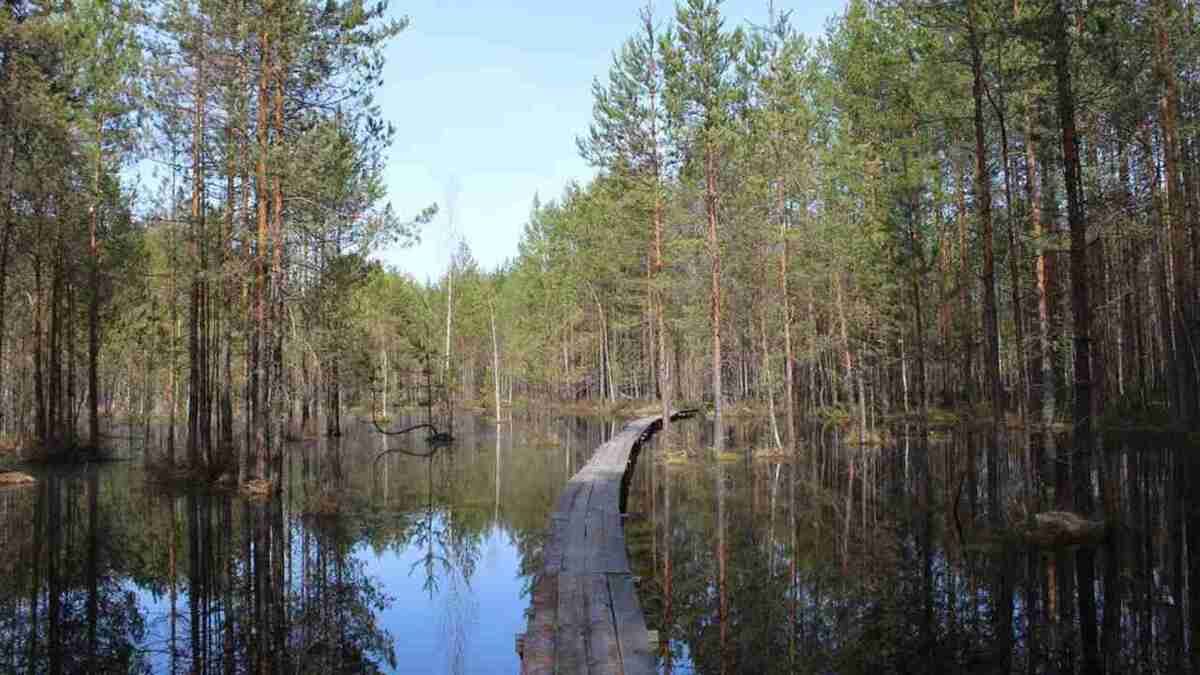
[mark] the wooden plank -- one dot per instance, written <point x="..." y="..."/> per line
<point x="610" y="556"/>
<point x="637" y="655"/>
<point x="578" y="548"/>
<point x="604" y="656"/>
<point x="566" y="500"/>
<point x="570" y="642"/>
<point x="613" y="558"/>
<point x="555" y="541"/>
<point x="584" y="616"/>
<point x="573" y="622"/>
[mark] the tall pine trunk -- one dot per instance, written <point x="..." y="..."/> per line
<point x="261" y="333"/>
<point x="966" y="329"/>
<point x="226" y="427"/>
<point x="196" y="344"/>
<point x="659" y="305"/>
<point x="1183" y="306"/>
<point x="495" y="368"/>
<point x="1081" y="310"/>
<point x="788" y="374"/>
<point x="8" y="160"/>
<point x="275" y="454"/>
<point x="1016" y="255"/>
<point x="94" y="298"/>
<point x="714" y="252"/>
<point x="983" y="209"/>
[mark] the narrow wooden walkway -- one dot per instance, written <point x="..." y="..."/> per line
<point x="584" y="614"/>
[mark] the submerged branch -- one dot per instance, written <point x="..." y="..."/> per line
<point x="411" y="453"/>
<point x="405" y="430"/>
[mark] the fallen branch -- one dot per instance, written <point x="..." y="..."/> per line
<point x="410" y="453"/>
<point x="405" y="430"/>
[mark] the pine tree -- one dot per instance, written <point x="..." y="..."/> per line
<point x="701" y="62"/>
<point x="628" y="135"/>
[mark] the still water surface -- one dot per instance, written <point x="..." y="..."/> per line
<point x="846" y="560"/>
<point x="407" y="565"/>
<point x="904" y="559"/>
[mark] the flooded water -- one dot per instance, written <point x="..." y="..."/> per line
<point x="403" y="565"/>
<point x="852" y="560"/>
<point x="847" y="560"/>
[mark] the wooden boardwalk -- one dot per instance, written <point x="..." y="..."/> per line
<point x="584" y="614"/>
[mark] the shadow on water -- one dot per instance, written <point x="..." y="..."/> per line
<point x="401" y="565"/>
<point x="913" y="558"/>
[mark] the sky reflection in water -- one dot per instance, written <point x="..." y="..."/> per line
<point x="408" y="565"/>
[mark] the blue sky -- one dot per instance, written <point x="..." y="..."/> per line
<point x="488" y="97"/>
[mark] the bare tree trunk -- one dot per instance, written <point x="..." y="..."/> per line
<point x="42" y="423"/>
<point x="277" y="391"/>
<point x="607" y="354"/>
<point x="1044" y="271"/>
<point x="916" y="273"/>
<point x="261" y="337"/>
<point x="1083" y="441"/>
<point x="1184" y="353"/>
<point x="983" y="208"/>
<point x="1165" y="337"/>
<point x="6" y="222"/>
<point x="658" y="303"/>
<point x="383" y="372"/>
<point x="788" y="373"/>
<point x="1016" y="255"/>
<point x="714" y="252"/>
<point x="966" y="331"/>
<point x="495" y="362"/>
<point x="766" y="366"/>
<point x="449" y="319"/>
<point x="70" y="409"/>
<point x="196" y="345"/>
<point x="171" y="384"/>
<point x="8" y="160"/>
<point x="919" y="315"/>
<point x="226" y="430"/>
<point x="1130" y="376"/>
<point x="94" y="298"/>
<point x="248" y="285"/>
<point x="853" y="375"/>
<point x="665" y="389"/>
<point x="54" y="350"/>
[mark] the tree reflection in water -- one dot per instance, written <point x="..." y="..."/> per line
<point x="244" y="586"/>
<point x="850" y="560"/>
<point x="101" y="571"/>
<point x="61" y="610"/>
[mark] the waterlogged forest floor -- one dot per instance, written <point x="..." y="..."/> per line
<point x="410" y="564"/>
<point x="880" y="431"/>
<point x="836" y="524"/>
<point x="833" y="562"/>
